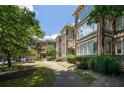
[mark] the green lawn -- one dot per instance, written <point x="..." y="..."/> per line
<point x="43" y="76"/>
<point x="87" y="77"/>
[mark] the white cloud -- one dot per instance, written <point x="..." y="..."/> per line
<point x="51" y="37"/>
<point x="30" y="7"/>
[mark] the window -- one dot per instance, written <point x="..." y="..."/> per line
<point x="81" y="49"/>
<point x="85" y="12"/>
<point x="85" y="48"/>
<point x="108" y="24"/>
<point x="119" y="47"/>
<point x="94" y="47"/>
<point x="78" y="50"/>
<point x="86" y="29"/>
<point x="88" y="48"/>
<point x="108" y="47"/>
<point x="120" y="23"/>
<point x="94" y="27"/>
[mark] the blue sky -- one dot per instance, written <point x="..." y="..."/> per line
<point x="53" y="17"/>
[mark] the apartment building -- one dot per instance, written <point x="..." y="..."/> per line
<point x="58" y="45"/>
<point x="43" y="45"/>
<point x="66" y="43"/>
<point x="88" y="37"/>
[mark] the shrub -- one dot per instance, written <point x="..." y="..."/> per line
<point x="58" y="59"/>
<point x="71" y="58"/>
<point x="83" y="61"/>
<point x="105" y="64"/>
<point x="64" y="59"/>
<point x="49" y="58"/>
<point x="83" y="65"/>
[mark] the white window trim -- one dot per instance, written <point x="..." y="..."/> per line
<point x="79" y="52"/>
<point x="79" y="36"/>
<point x="108" y="39"/>
<point x="122" y="45"/>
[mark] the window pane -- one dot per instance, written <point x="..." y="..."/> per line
<point x="108" y="25"/>
<point x="94" y="47"/>
<point x="85" y="12"/>
<point x="120" y="23"/>
<point x="108" y="47"/>
<point x="85" y="48"/>
<point x="89" y="47"/>
<point x="119" y="47"/>
<point x="86" y="29"/>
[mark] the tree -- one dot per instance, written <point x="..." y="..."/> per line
<point x="17" y="28"/>
<point x="98" y="15"/>
<point x="51" y="52"/>
<point x="115" y="11"/>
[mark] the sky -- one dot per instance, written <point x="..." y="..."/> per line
<point x="53" y="17"/>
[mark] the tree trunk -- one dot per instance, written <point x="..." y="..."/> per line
<point x="101" y="37"/>
<point x="113" y="40"/>
<point x="9" y="58"/>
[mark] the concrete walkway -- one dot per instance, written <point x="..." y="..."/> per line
<point x="65" y="78"/>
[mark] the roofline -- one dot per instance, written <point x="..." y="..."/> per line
<point x="77" y="11"/>
<point x="58" y="36"/>
<point x="67" y="25"/>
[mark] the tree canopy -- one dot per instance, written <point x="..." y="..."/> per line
<point x="99" y="14"/>
<point x="17" y="28"/>
<point x="105" y="10"/>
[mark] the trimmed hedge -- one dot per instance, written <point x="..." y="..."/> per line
<point x="105" y="64"/>
<point x="71" y="58"/>
<point x="83" y="61"/>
